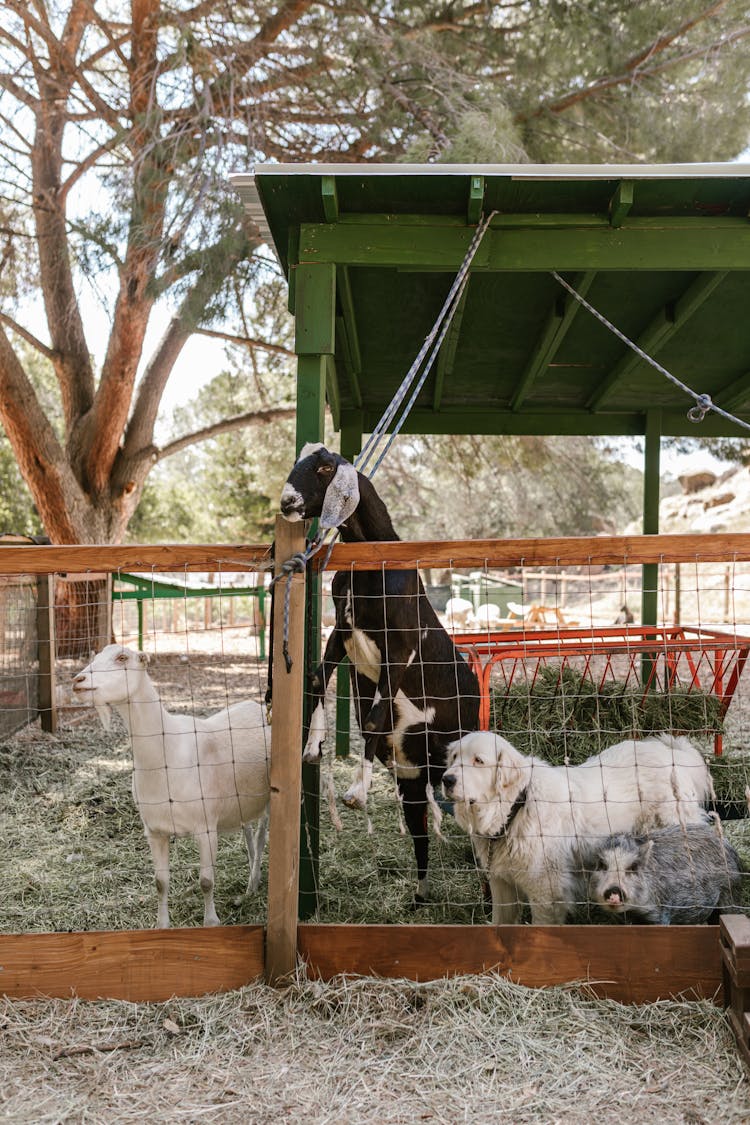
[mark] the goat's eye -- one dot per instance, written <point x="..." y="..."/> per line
<point x="122" y="658"/>
<point x="325" y="470"/>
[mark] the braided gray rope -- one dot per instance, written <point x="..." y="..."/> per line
<point x="703" y="402"/>
<point x="434" y="340"/>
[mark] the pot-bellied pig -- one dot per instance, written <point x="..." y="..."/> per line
<point x="681" y="875"/>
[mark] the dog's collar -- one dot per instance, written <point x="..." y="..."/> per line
<point x="515" y="809"/>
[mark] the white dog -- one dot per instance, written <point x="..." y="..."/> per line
<point x="526" y="817"/>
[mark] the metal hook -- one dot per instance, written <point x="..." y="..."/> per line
<point x="702" y="406"/>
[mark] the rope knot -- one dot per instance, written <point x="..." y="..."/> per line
<point x="702" y="406"/>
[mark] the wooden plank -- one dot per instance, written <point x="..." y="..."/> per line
<point x="135" y="965"/>
<point x="165" y="556"/>
<point x="496" y="419"/>
<point x="286" y="754"/>
<point x="330" y="198"/>
<point x="621" y="203"/>
<point x="570" y="551"/>
<point x="315" y="309"/>
<point x="634" y="964"/>
<point x="711" y="243"/>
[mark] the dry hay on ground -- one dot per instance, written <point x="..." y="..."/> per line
<point x="478" y="1049"/>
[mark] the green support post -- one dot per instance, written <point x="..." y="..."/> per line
<point x="351" y="445"/>
<point x="315" y="303"/>
<point x="650" y="572"/>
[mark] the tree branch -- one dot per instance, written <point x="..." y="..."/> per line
<point x="630" y="70"/>
<point x="27" y="336"/>
<point x="237" y="422"/>
<point x="246" y="341"/>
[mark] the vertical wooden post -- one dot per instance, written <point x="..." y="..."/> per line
<point x="286" y="752"/>
<point x="314" y="343"/>
<point x="45" y="632"/>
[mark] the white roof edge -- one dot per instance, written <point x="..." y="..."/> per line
<point x="245" y="182"/>
<point x="514" y="171"/>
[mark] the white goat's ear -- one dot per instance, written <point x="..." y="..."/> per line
<point x="105" y="715"/>
<point x="341" y="498"/>
<point x="308" y="448"/>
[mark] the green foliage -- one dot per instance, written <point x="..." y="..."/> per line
<point x="468" y="487"/>
<point x="17" y="511"/>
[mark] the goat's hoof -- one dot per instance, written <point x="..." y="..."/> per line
<point x="312" y="756"/>
<point x="354" y="800"/>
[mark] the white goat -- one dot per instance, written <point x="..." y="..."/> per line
<point x="191" y="776"/>
<point x="457" y="613"/>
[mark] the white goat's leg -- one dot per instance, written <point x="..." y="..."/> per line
<point x="356" y="795"/>
<point x="159" y="846"/>
<point x="317" y="734"/>
<point x="207" y="841"/>
<point x="255" y="838"/>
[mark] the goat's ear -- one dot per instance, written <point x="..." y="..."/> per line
<point x="341" y="498"/>
<point x="105" y="715"/>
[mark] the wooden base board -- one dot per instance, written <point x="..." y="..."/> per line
<point x="136" y="965"/>
<point x="633" y="964"/>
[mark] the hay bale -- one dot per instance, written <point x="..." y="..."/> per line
<point x="564" y="717"/>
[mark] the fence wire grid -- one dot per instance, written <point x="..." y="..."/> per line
<point x="565" y="670"/>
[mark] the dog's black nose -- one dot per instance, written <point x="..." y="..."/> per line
<point x="448" y="782"/>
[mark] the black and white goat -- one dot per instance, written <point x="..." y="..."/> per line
<point x="413" y="691"/>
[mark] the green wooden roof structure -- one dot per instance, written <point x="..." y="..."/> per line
<point x="662" y="251"/>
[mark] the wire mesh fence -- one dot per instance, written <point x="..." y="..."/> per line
<point x="559" y="676"/>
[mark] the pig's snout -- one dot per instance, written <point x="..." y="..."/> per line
<point x="614" y="896"/>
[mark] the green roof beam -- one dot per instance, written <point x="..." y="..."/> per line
<point x="476" y="200"/>
<point x="735" y="395"/>
<point x="662" y="328"/>
<point x="559" y="320"/>
<point x="620" y="203"/>
<point x="447" y="355"/>
<point x="346" y="303"/>
<point x="487" y="420"/>
<point x="333" y="392"/>
<point x="330" y="199"/>
<point x="665" y="244"/>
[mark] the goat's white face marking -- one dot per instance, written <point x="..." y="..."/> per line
<point x="293" y="501"/>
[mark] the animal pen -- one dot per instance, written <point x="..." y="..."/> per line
<point x="370" y="253"/>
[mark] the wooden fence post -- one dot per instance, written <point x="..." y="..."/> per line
<point x="286" y="767"/>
